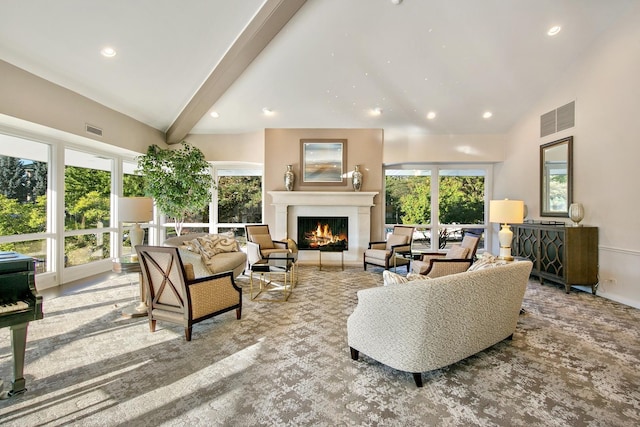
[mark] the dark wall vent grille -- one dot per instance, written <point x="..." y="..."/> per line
<point x="548" y="123"/>
<point x="559" y="119"/>
<point x="93" y="130"/>
<point x="566" y="117"/>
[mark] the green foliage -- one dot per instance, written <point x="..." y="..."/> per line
<point x="93" y="208"/>
<point x="179" y="181"/>
<point x="461" y="200"/>
<point x="132" y="185"/>
<point x="13" y="178"/>
<point x="416" y="205"/>
<point x="87" y="192"/>
<point x="408" y="198"/>
<point x="239" y="199"/>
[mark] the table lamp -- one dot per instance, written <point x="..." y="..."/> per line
<point x="506" y="212"/>
<point x="136" y="210"/>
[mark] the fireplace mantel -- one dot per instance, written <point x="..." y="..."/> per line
<point x="354" y="204"/>
<point x="323" y="198"/>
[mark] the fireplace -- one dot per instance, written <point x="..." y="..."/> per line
<point x="355" y="205"/>
<point x="323" y="233"/>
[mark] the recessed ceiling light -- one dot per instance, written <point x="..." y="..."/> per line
<point x="396" y="1"/>
<point x="554" y="30"/>
<point x="267" y="111"/>
<point x="376" y="111"/>
<point x="109" y="52"/>
<point x="431" y="115"/>
<point x="214" y="114"/>
<point x="487" y="115"/>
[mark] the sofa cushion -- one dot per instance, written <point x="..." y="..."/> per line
<point x="227" y="261"/>
<point x="457" y="252"/>
<point x="199" y="268"/>
<point x="263" y="240"/>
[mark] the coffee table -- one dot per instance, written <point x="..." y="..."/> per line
<point x="284" y="264"/>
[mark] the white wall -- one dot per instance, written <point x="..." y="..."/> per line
<point x="443" y="148"/>
<point x="606" y="88"/>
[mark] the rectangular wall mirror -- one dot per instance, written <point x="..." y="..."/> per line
<point x="556" y="177"/>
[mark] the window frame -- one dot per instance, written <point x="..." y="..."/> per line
<point x="435" y="170"/>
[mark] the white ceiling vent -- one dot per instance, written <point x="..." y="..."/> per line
<point x="93" y="129"/>
<point x="559" y="119"/>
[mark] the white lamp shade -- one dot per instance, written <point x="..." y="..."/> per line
<point x="506" y="211"/>
<point x="135" y="209"/>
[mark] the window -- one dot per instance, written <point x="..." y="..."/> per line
<point x="23" y="198"/>
<point x="239" y="198"/>
<point x="132" y="186"/>
<point x="236" y="201"/>
<point x="87" y="195"/>
<point x="449" y="209"/>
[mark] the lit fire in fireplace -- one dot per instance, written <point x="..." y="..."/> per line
<point x="322" y="236"/>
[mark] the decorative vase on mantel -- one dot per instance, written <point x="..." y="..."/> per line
<point x="576" y="213"/>
<point x="289" y="178"/>
<point x="356" y="178"/>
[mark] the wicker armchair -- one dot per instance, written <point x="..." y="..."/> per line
<point x="173" y="295"/>
<point x="458" y="259"/>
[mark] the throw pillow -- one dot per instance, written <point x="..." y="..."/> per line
<point x="391" y="278"/>
<point x="416" y="276"/>
<point x="486" y="260"/>
<point x="218" y="243"/>
<point x="263" y="240"/>
<point x="457" y="252"/>
<point x="396" y="239"/>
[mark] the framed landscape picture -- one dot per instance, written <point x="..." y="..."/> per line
<point x="323" y="161"/>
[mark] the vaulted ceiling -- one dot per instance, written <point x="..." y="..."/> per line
<point x="313" y="63"/>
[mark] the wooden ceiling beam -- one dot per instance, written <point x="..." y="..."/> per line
<point x="267" y="23"/>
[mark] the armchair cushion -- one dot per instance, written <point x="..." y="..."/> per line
<point x="457" y="252"/>
<point x="264" y="240"/>
<point x="380" y="254"/>
<point x="395" y="240"/>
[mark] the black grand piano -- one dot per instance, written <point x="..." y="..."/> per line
<point x="19" y="304"/>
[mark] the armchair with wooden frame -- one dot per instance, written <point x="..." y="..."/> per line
<point x="260" y="244"/>
<point x="457" y="260"/>
<point x="394" y="252"/>
<point x="174" y="295"/>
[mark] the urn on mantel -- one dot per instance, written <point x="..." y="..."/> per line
<point x="356" y="178"/>
<point x="289" y="178"/>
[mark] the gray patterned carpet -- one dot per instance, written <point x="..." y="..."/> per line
<point x="573" y="361"/>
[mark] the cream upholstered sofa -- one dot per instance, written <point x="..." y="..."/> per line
<point x="427" y="324"/>
<point x="231" y="259"/>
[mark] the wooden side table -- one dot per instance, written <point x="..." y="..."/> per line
<point x="125" y="265"/>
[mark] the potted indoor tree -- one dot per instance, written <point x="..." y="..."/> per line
<point x="179" y="181"/>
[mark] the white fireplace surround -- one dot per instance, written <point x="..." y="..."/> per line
<point x="354" y="205"/>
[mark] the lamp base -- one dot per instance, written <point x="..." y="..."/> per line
<point x="136" y="237"/>
<point x="505" y="254"/>
<point x="505" y="236"/>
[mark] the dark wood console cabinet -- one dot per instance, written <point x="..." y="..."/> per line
<point x="561" y="254"/>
